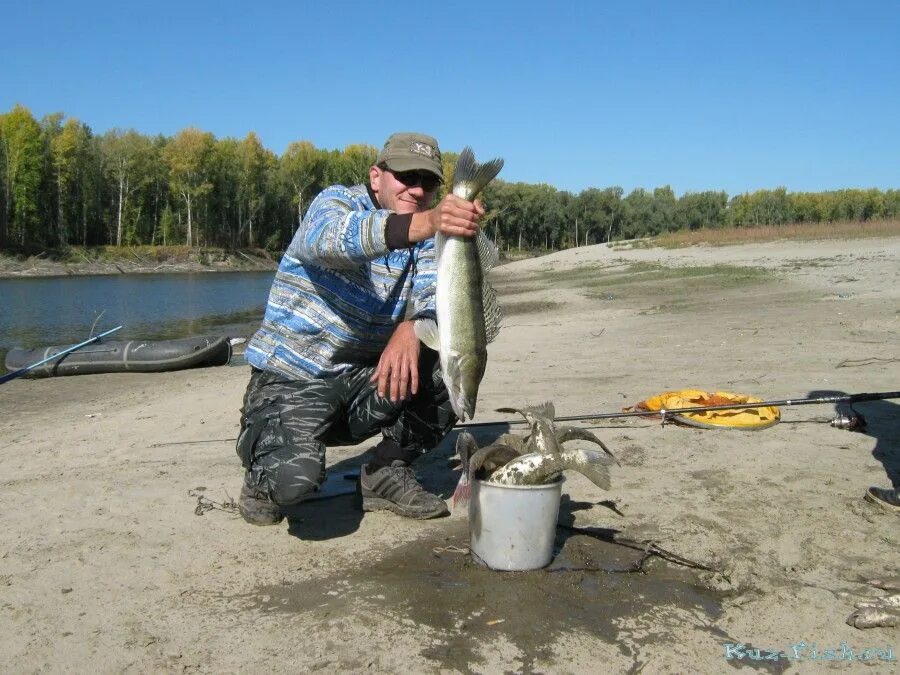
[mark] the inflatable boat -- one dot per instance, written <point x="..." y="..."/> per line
<point x="134" y="356"/>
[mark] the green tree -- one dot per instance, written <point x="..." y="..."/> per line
<point x="600" y="213"/>
<point x="20" y="140"/>
<point x="696" y="210"/>
<point x="125" y="158"/>
<point x="93" y="192"/>
<point x="156" y="185"/>
<point x="637" y="214"/>
<point x="350" y="166"/>
<point x="662" y="218"/>
<point x="256" y="166"/>
<point x="227" y="168"/>
<point x="303" y="169"/>
<point x="69" y="154"/>
<point x="188" y="158"/>
<point x="51" y="201"/>
<point x="892" y="204"/>
<point x="805" y="207"/>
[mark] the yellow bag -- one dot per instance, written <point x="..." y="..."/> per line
<point x="746" y="418"/>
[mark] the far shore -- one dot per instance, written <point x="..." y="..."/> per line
<point x="136" y="260"/>
<point x="112" y="260"/>
<point x="149" y="260"/>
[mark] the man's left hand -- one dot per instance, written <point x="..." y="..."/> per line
<point x="398" y="368"/>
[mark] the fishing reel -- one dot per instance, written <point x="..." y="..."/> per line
<point x="850" y="421"/>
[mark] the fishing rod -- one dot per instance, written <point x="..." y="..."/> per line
<point x="21" y="371"/>
<point x="846" y="424"/>
<point x="664" y="412"/>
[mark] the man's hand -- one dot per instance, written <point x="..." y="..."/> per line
<point x="452" y="216"/>
<point x="398" y="368"/>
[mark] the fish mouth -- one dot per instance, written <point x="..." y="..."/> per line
<point x="467" y="405"/>
<point x="463" y="407"/>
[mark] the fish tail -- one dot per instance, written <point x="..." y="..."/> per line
<point x="475" y="175"/>
<point x="463" y="491"/>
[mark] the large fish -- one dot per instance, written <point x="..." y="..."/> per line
<point x="468" y="315"/>
<point x="879" y="612"/>
<point x="536" y="468"/>
<point x="546" y="437"/>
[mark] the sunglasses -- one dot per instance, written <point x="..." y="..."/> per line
<point x="428" y="181"/>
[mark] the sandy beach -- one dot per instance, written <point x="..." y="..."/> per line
<point x="110" y="562"/>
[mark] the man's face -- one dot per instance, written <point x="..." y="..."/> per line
<point x="403" y="192"/>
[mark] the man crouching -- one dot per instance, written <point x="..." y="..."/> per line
<point x="336" y="359"/>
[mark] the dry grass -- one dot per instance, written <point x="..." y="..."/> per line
<point x="515" y="308"/>
<point x="658" y="287"/>
<point x="796" y="231"/>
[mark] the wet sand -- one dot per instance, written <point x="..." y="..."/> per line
<point x="106" y="566"/>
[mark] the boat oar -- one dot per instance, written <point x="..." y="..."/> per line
<point x="21" y="371"/>
<point x="664" y="412"/>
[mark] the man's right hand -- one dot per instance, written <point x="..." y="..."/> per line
<point x="452" y="216"/>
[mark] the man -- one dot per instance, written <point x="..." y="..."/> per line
<point x="336" y="359"/>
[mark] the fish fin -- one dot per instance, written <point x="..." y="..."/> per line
<point x="427" y="331"/>
<point x="493" y="315"/>
<point x="598" y="474"/>
<point x="589" y="463"/>
<point x="473" y="175"/>
<point x="567" y="433"/>
<point x="488" y="254"/>
<point x="463" y="490"/>
<point x="545" y="410"/>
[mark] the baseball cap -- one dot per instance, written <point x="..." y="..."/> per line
<point x="410" y="151"/>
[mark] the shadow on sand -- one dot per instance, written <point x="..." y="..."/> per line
<point x="882" y="422"/>
<point x="336" y="510"/>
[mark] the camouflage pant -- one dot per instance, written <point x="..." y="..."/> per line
<point x="287" y="424"/>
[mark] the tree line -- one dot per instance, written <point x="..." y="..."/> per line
<point x="64" y="185"/>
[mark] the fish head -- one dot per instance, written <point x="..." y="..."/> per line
<point x="463" y="403"/>
<point x="466" y="446"/>
<point x="462" y="376"/>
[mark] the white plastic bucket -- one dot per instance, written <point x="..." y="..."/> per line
<point x="513" y="527"/>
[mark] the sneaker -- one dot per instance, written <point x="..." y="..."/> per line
<point x="396" y="489"/>
<point x="888" y="498"/>
<point x="257" y="509"/>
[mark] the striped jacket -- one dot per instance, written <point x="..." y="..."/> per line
<point x="339" y="291"/>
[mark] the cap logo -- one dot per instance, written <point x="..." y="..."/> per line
<point x="422" y="149"/>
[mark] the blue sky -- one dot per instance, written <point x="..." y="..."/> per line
<point x="732" y="96"/>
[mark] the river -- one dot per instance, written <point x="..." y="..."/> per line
<point x="40" y="311"/>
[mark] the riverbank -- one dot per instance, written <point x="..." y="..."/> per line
<point x="122" y="553"/>
<point x="153" y="260"/>
<point x="136" y="260"/>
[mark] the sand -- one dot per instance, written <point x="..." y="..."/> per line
<point x="106" y="566"/>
